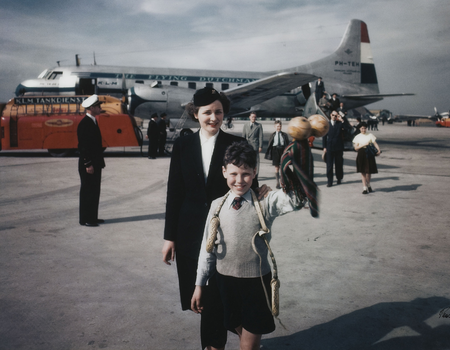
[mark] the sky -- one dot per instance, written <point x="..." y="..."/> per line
<point x="410" y="41"/>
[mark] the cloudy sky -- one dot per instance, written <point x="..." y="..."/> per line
<point x="410" y="39"/>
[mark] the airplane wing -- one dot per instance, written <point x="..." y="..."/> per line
<point x="251" y="94"/>
<point x="413" y="116"/>
<point x="366" y="96"/>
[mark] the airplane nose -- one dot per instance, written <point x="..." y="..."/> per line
<point x="20" y="90"/>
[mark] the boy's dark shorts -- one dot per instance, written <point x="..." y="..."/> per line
<point x="245" y="303"/>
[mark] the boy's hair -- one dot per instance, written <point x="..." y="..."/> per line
<point x="240" y="153"/>
<point x="278" y="121"/>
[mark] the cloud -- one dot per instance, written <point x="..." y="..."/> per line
<point x="409" y="44"/>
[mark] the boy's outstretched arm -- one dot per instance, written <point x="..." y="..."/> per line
<point x="196" y="305"/>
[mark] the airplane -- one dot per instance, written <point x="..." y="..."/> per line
<point x="441" y="119"/>
<point x="440" y="115"/>
<point x="349" y="72"/>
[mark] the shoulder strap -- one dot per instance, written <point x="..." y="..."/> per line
<point x="214" y="225"/>
<point x="260" y="215"/>
<point x="275" y="283"/>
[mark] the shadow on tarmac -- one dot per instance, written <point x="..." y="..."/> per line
<point x="159" y="216"/>
<point x="383" y="326"/>
<point x="412" y="187"/>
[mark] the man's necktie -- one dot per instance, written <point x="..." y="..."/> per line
<point x="237" y="203"/>
<point x="251" y="126"/>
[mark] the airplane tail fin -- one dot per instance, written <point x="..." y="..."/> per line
<point x="352" y="62"/>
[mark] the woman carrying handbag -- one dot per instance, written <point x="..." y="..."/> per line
<point x="367" y="149"/>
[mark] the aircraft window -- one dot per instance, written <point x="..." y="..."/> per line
<point x="174" y="83"/>
<point x="139" y="82"/>
<point x="192" y="86"/>
<point x="54" y="75"/>
<point x="43" y="74"/>
<point x="210" y="85"/>
<point x="225" y="86"/>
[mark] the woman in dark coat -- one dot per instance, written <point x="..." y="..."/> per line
<point x="195" y="180"/>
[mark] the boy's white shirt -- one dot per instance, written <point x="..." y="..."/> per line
<point x="277" y="203"/>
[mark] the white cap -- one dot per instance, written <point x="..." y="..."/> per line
<point x="91" y="101"/>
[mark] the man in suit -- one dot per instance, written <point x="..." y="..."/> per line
<point x="253" y="133"/>
<point x="324" y="104"/>
<point x="333" y="148"/>
<point x="162" y="125"/>
<point x="335" y="103"/>
<point x="320" y="89"/>
<point x="152" y="136"/>
<point x="90" y="163"/>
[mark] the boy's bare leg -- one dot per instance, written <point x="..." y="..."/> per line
<point x="248" y="341"/>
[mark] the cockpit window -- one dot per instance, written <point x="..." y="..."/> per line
<point x="54" y="75"/>
<point x="43" y="74"/>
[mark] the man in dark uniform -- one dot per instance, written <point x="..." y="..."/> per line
<point x="90" y="163"/>
<point x="162" y="125"/>
<point x="335" y="103"/>
<point x="320" y="89"/>
<point x="152" y="136"/>
<point x="333" y="148"/>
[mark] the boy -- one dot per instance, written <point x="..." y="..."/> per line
<point x="240" y="269"/>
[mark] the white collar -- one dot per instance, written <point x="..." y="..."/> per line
<point x="92" y="117"/>
<point x="203" y="138"/>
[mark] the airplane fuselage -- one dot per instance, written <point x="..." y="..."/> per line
<point x="349" y="72"/>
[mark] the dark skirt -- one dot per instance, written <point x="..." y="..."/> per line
<point x="364" y="164"/>
<point x="212" y="330"/>
<point x="277" y="152"/>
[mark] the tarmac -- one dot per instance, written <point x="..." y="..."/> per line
<point x="372" y="272"/>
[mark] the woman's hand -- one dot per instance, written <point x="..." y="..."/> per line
<point x="196" y="305"/>
<point x="168" y="251"/>
<point x="263" y="191"/>
<point x="378" y="148"/>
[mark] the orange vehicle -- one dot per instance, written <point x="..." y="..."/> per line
<point x="445" y="122"/>
<point x="50" y="122"/>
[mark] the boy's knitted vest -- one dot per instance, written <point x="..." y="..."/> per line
<point x="235" y="255"/>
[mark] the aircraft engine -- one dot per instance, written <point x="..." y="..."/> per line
<point x="157" y="98"/>
<point x="146" y="94"/>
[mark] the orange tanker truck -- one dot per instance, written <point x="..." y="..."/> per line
<point x="50" y="122"/>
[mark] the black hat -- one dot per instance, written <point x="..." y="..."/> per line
<point x="205" y="96"/>
<point x="163" y="115"/>
<point x="154" y="115"/>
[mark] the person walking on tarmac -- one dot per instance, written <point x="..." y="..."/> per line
<point x="162" y="135"/>
<point x="277" y="143"/>
<point x="152" y="136"/>
<point x="90" y="163"/>
<point x="333" y="148"/>
<point x="253" y="133"/>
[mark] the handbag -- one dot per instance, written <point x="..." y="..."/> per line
<point x="371" y="150"/>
